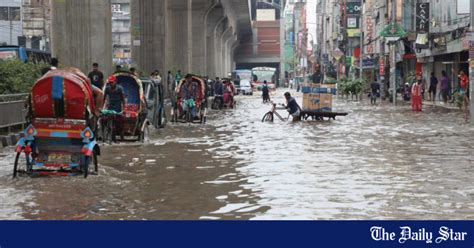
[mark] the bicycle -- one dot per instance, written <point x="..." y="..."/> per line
<point x="269" y="116"/>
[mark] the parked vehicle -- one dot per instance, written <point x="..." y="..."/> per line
<point x="154" y="96"/>
<point x="246" y="87"/>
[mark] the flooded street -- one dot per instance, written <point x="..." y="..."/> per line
<point x="376" y="163"/>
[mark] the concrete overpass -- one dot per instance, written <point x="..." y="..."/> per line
<point x="197" y="36"/>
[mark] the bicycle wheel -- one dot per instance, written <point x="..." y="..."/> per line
<point x="108" y="132"/>
<point x="268" y="117"/>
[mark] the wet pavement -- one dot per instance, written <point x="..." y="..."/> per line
<point x="377" y="163"/>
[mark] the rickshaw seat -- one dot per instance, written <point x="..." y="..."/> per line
<point x="131" y="110"/>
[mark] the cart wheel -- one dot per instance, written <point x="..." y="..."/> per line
<point x="15" y="167"/>
<point x="268" y="117"/>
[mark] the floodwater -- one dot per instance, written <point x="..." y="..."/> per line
<point x="377" y="163"/>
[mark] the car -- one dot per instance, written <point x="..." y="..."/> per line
<point x="246" y="87"/>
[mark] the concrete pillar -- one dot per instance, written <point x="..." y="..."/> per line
<point x="82" y="33"/>
<point x="219" y="31"/>
<point x="226" y="36"/>
<point x="179" y="42"/>
<point x="148" y="32"/>
<point x="200" y="10"/>
<point x="213" y="17"/>
<point x="214" y="22"/>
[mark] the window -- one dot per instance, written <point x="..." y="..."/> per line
<point x="116" y="8"/>
<point x="15" y="14"/>
<point x="10" y="14"/>
<point x="3" y="13"/>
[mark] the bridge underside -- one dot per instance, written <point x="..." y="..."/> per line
<point x="197" y="36"/>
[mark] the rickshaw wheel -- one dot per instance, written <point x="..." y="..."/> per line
<point x="162" y="119"/>
<point x="189" y="117"/>
<point x="108" y="133"/>
<point x="15" y="166"/>
<point x="144" y="135"/>
<point x="96" y="163"/>
<point x="85" y="167"/>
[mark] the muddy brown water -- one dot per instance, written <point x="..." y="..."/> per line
<point x="377" y="163"/>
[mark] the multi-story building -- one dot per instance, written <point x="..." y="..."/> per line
<point x="10" y="22"/>
<point x="121" y="36"/>
<point x="442" y="42"/>
<point x="36" y="24"/>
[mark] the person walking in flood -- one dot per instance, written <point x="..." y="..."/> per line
<point x="416" y="96"/>
<point x="433" y="86"/>
<point x="375" y="87"/>
<point x="445" y="85"/>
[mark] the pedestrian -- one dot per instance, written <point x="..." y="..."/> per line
<point x="133" y="71"/>
<point x="53" y="66"/>
<point x="444" y="87"/>
<point x="416" y="96"/>
<point x="432" y="88"/>
<point x="170" y="83"/>
<point x="118" y="69"/>
<point x="265" y="92"/>
<point x="155" y="75"/>
<point x="178" y="77"/>
<point x="317" y="77"/>
<point x="96" y="77"/>
<point x="375" y="87"/>
<point x="423" y="88"/>
<point x="464" y="92"/>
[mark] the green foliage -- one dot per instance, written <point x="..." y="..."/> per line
<point x="330" y="80"/>
<point x="411" y="77"/>
<point x="343" y="86"/>
<point x="351" y="87"/>
<point x="18" y="77"/>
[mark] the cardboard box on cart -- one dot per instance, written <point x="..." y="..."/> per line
<point x="311" y="101"/>
<point x="325" y="104"/>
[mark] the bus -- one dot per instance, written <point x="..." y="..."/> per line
<point x="24" y="54"/>
<point x="261" y="74"/>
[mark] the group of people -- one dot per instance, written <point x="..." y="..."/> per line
<point x="446" y="92"/>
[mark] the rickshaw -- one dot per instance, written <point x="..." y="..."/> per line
<point x="154" y="96"/>
<point x="59" y="138"/>
<point x="133" y="121"/>
<point x="200" y="103"/>
<point x="229" y="91"/>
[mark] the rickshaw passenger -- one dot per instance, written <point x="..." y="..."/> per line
<point x="189" y="95"/>
<point x="228" y="92"/>
<point x="218" y="88"/>
<point x="115" y="100"/>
